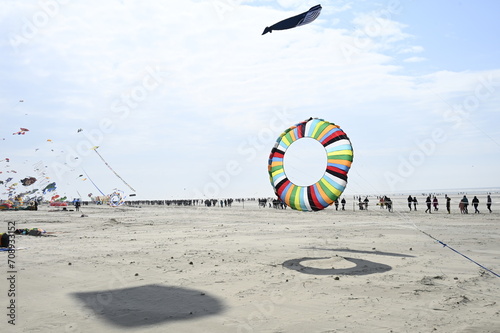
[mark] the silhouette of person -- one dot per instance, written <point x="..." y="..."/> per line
<point x="448" y="203"/>
<point x="428" y="201"/>
<point x="475" y="203"/>
<point x="415" y="203"/>
<point x="410" y="200"/>
<point x="343" y="203"/>
<point x="488" y="202"/>
<point x="388" y="203"/>
<point x="465" y="203"/>
<point x="435" y="203"/>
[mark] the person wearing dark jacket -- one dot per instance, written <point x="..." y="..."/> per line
<point x="475" y="203"/>
<point x="428" y="201"/>
<point x="448" y="203"/>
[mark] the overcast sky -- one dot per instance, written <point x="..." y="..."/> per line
<point x="186" y="98"/>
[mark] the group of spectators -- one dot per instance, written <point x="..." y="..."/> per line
<point x="431" y="201"/>
<point x="432" y="204"/>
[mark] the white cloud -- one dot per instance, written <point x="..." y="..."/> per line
<point x="412" y="49"/>
<point x="415" y="59"/>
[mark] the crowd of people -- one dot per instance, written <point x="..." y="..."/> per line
<point x="433" y="204"/>
<point x="362" y="203"/>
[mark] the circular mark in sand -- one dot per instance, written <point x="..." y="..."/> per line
<point x="363" y="267"/>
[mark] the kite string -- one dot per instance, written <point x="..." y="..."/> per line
<point x="463" y="255"/>
<point x="93" y="182"/>
<point x="110" y="168"/>
<point x="437" y="240"/>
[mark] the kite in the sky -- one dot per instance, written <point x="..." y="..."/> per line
<point x="295" y="21"/>
<point x="49" y="188"/>
<point x="339" y="158"/>
<point x="117" y="198"/>
<point x="22" y="131"/>
<point x="28" y="181"/>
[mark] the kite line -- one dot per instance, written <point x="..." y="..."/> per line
<point x="110" y="168"/>
<point x="93" y="182"/>
<point x="463" y="255"/>
<point x="405" y="218"/>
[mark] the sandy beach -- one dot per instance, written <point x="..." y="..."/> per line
<point x="249" y="269"/>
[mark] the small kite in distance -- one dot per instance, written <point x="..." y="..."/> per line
<point x="21" y="132"/>
<point x="49" y="188"/>
<point x="295" y="21"/>
<point x="28" y="181"/>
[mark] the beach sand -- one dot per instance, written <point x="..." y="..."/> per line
<point x="245" y="269"/>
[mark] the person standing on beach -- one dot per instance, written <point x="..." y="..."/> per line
<point x="448" y="203"/>
<point x="343" y="203"/>
<point x="435" y="203"/>
<point x="475" y="203"/>
<point x="410" y="200"/>
<point x="388" y="203"/>
<point x="428" y="201"/>
<point x="465" y="203"/>
<point x="337" y="204"/>
<point x="415" y="203"/>
<point x="488" y="202"/>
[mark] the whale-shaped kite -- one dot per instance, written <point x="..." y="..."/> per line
<point x="295" y="21"/>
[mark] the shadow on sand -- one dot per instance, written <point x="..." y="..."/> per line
<point x="149" y="304"/>
<point x="381" y="253"/>
<point x="363" y="267"/>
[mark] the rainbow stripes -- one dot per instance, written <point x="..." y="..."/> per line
<point x="324" y="192"/>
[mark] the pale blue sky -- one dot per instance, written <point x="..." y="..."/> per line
<point x="186" y="98"/>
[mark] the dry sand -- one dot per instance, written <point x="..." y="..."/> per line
<point x="197" y="269"/>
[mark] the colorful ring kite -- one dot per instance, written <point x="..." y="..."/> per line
<point x="339" y="158"/>
<point x="117" y="198"/>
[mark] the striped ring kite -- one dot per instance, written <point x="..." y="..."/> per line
<point x="117" y="198"/>
<point x="324" y="192"/>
